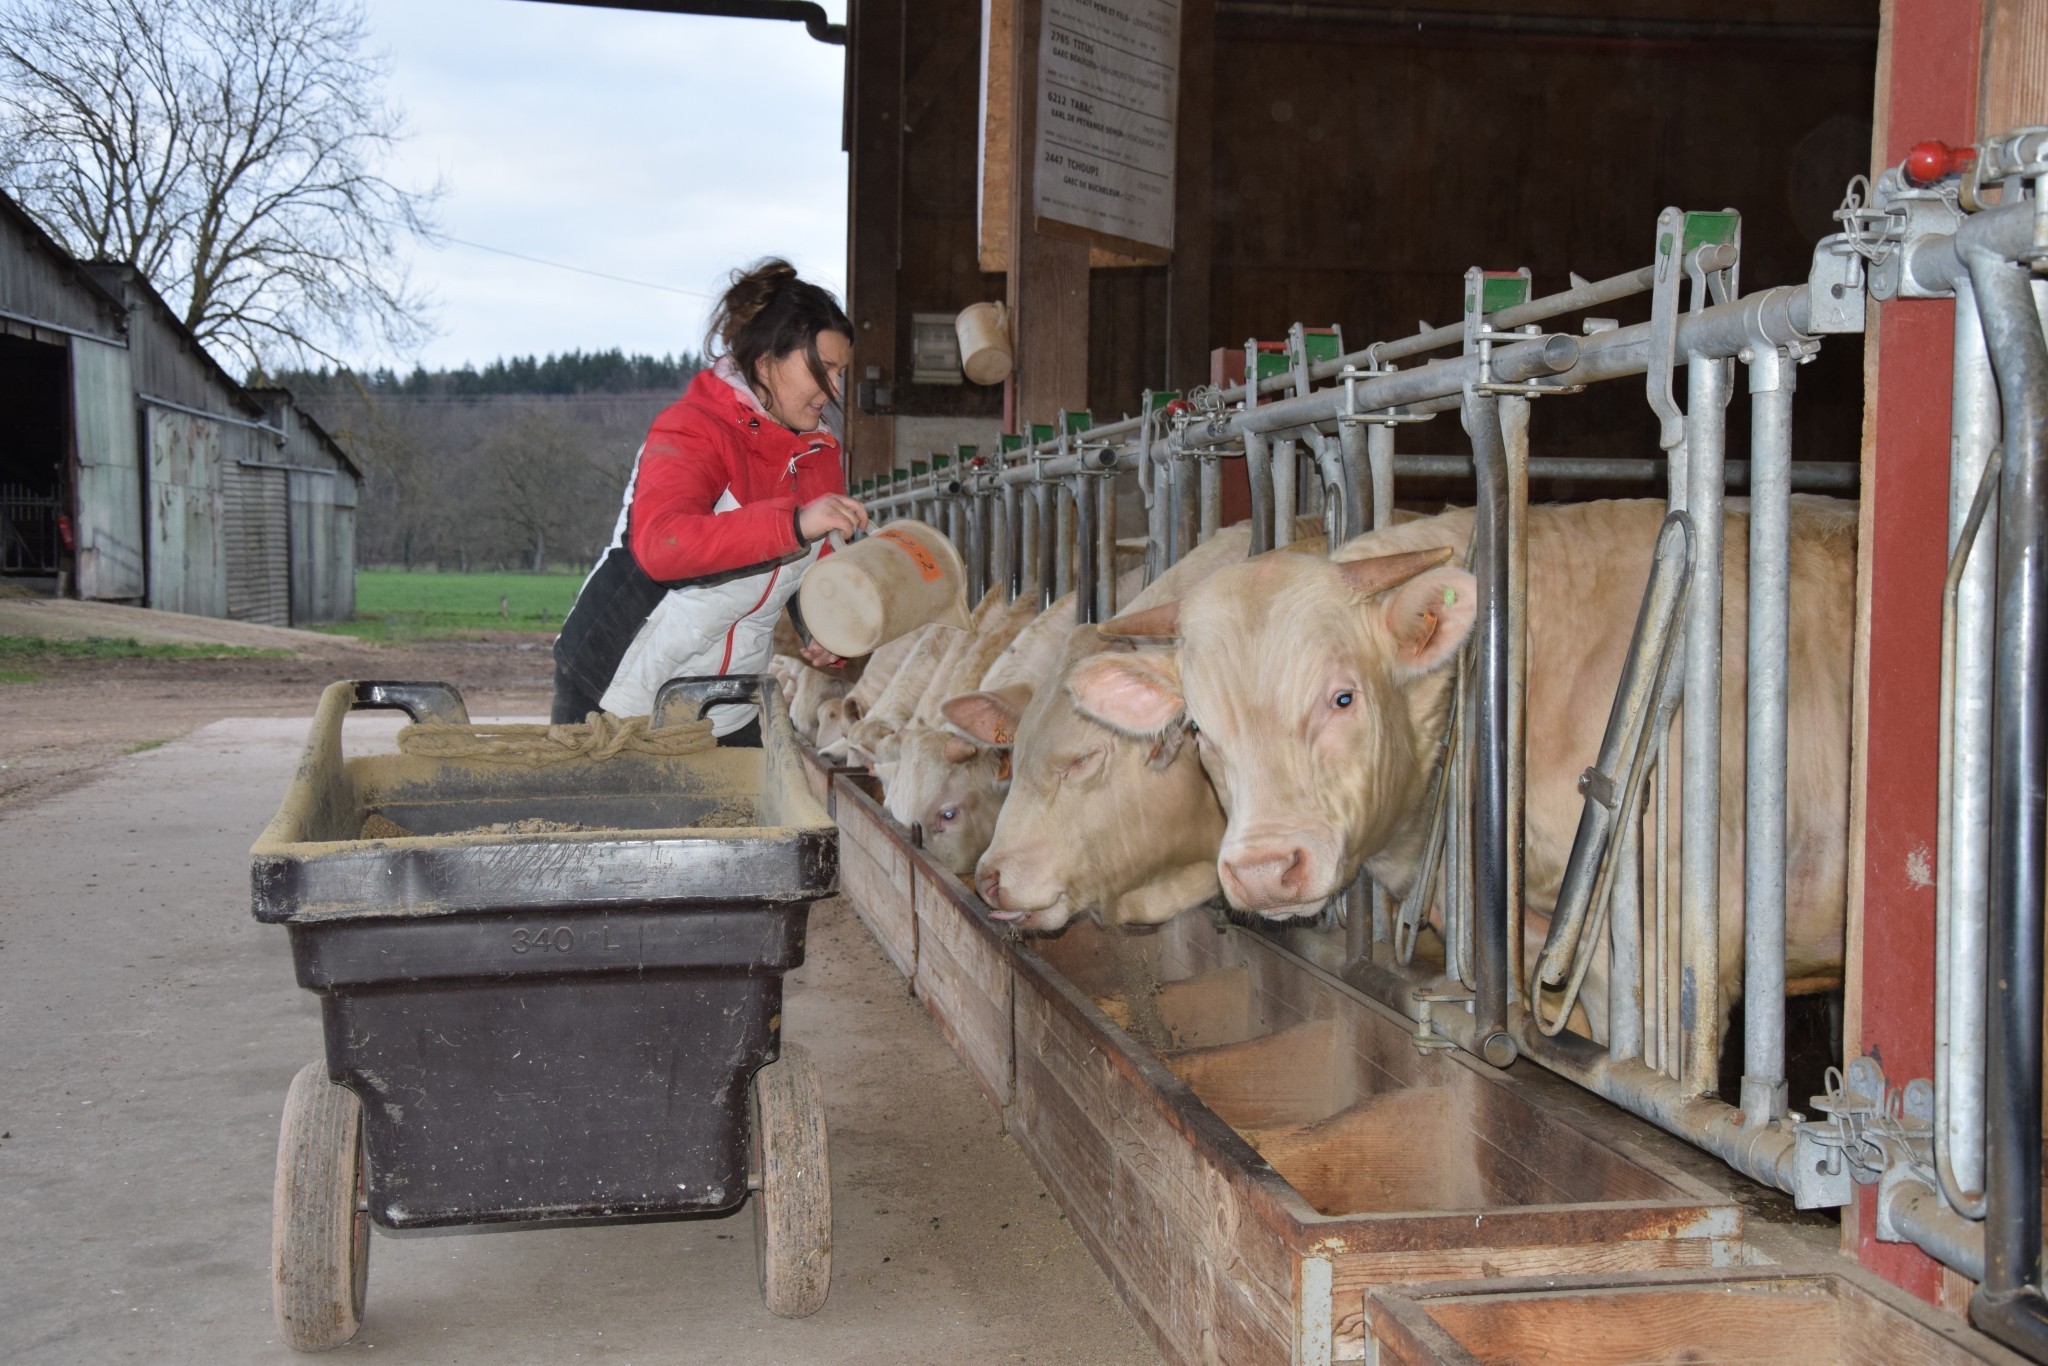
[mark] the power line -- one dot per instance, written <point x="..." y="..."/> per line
<point x="579" y="270"/>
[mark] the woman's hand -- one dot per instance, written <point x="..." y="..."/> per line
<point x="818" y="657"/>
<point x="829" y="513"/>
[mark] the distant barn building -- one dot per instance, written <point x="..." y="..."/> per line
<point x="134" y="469"/>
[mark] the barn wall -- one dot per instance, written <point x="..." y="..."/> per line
<point x="1357" y="167"/>
<point x="1360" y="169"/>
<point x="169" y="363"/>
<point x="40" y="284"/>
<point x="187" y="511"/>
<point x="322" y="489"/>
<point x="108" y="473"/>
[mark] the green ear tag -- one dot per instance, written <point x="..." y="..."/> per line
<point x="1450" y="596"/>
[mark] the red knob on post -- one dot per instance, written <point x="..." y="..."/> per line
<point x="1935" y="160"/>
<point x="1178" y="407"/>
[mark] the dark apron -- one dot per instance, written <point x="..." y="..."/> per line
<point x="614" y="604"/>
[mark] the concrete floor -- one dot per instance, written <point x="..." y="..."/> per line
<point x="150" y="1028"/>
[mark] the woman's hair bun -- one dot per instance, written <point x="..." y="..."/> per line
<point x="749" y="293"/>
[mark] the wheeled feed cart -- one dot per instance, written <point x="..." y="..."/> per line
<point x="580" y="1025"/>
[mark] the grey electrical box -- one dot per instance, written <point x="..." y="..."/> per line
<point x="934" y="349"/>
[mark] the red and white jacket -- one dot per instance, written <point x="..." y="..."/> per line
<point x="712" y="511"/>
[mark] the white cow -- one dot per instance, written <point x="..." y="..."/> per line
<point x="1318" y="691"/>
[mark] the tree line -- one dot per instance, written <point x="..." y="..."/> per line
<point x="520" y="464"/>
<point x="572" y="372"/>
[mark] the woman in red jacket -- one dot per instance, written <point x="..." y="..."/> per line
<point x="729" y="502"/>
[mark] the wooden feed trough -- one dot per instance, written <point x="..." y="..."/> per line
<point x="1756" y="1316"/>
<point x="1381" y="1165"/>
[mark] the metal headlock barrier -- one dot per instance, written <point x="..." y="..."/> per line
<point x="1958" y="1156"/>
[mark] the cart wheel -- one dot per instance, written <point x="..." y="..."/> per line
<point x="319" y="1229"/>
<point x="793" y="1201"/>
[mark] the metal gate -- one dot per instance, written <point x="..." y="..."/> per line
<point x="1316" y="428"/>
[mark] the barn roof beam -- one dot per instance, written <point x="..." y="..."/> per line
<point x="811" y="15"/>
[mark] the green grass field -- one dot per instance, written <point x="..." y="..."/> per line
<point x="394" y="605"/>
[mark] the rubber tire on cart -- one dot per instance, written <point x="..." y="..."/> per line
<point x="792" y="1187"/>
<point x="319" y="1227"/>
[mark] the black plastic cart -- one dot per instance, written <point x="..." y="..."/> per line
<point x="570" y="1027"/>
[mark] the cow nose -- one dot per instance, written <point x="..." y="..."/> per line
<point x="1266" y="875"/>
<point x="990" y="884"/>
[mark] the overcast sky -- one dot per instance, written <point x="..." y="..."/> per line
<point x="662" y="148"/>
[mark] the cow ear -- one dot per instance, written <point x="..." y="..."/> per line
<point x="990" y="717"/>
<point x="959" y="751"/>
<point x="1137" y="694"/>
<point x="1152" y="623"/>
<point x="853" y="710"/>
<point x="1429" y="618"/>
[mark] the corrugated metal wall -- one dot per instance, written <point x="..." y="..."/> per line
<point x="109" y="493"/>
<point x="258" y="544"/>
<point x="313" y="547"/>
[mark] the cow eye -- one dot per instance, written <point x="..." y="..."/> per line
<point x="1081" y="763"/>
<point x="1342" y="699"/>
<point x="951" y="813"/>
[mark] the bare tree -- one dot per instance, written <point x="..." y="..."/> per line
<point x="231" y="150"/>
<point x="539" y="480"/>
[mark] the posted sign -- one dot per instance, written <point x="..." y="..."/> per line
<point x="1108" y="83"/>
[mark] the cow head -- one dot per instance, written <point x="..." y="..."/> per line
<point x="1316" y="691"/>
<point x="952" y="787"/>
<point x="1095" y="821"/>
<point x="872" y="739"/>
<point x="836" y="716"/>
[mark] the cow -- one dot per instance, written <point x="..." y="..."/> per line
<point x="1095" y="822"/>
<point x="1317" y="691"/>
<point x="837" y="716"/>
<point x="949" y="786"/>
<point x="869" y="738"/>
<point x="809" y="689"/>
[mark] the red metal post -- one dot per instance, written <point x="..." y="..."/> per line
<point x="1926" y="89"/>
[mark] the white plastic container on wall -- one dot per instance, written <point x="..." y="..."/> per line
<point x="984" y="342"/>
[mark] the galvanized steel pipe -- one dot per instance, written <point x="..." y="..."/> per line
<point x="1087" y="567"/>
<point x="1210" y="500"/>
<point x="2009" y="1304"/>
<point x="1839" y="475"/>
<point x="1772" y="374"/>
<point x="1062" y="548"/>
<point x="1103" y="491"/>
<point x="1964" y="852"/>
<point x="1258" y="471"/>
<point x="1708" y="386"/>
<point x="1286" y="491"/>
<point x="1492" y="664"/>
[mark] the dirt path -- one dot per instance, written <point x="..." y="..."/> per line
<point x="82" y="712"/>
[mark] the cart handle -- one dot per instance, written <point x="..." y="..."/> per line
<point x="421" y="701"/>
<point x="701" y="695"/>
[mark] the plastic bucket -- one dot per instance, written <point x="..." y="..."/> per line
<point x="984" y="331"/>
<point x="864" y="595"/>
